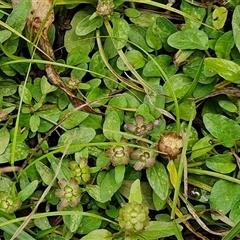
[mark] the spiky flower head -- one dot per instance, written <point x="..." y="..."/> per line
<point x="69" y="193"/>
<point x="140" y="127"/>
<point x="133" y="217"/>
<point x="8" y="202"/>
<point x="105" y="8"/>
<point x="72" y="82"/>
<point x="119" y="154"/>
<point x="146" y="157"/>
<point x="81" y="171"/>
<point x="171" y="144"/>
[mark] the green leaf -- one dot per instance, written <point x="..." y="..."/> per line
<point x="146" y="191"/>
<point x="134" y="57"/>
<point x="34" y="122"/>
<point x="72" y="40"/>
<point x="135" y="192"/>
<point x="17" y="20"/>
<point x="153" y="37"/>
<point x="45" y="172"/>
<point x="99" y="94"/>
<point x="4" y="139"/>
<point x="222" y="163"/>
<point x="235" y="213"/>
<point x="99" y="234"/>
<point x="164" y="61"/>
<point x="97" y="66"/>
<point x="137" y="35"/>
<point x="228" y="70"/>
<point x="118" y="102"/>
<point x="187" y="109"/>
<point x="155" y="100"/>
<point x="25" y="94"/>
<point x="4" y="35"/>
<point x="121" y="30"/>
<point x="21" y="152"/>
<point x="112" y="211"/>
<point x="132" y="12"/>
<point x="76" y="136"/>
<point x="73" y="221"/>
<point x="74" y="119"/>
<point x="145" y="19"/>
<point x="46" y="87"/>
<point x="224" y="129"/>
<point x="224" y="45"/>
<point x="7" y="87"/>
<point x="88" y="25"/>
<point x="159" y="204"/>
<point x="89" y="224"/>
<point x="202" y="147"/>
<point x="81" y="72"/>
<point x="42" y="223"/>
<point x="119" y="173"/>
<point x="49" y="118"/>
<point x="109" y="186"/>
<point x="111" y="126"/>
<point x="159" y="229"/>
<point x="224" y="195"/>
<point x="189" y="39"/>
<point x="191" y="69"/>
<point x="26" y="192"/>
<point x="94" y="192"/>
<point x="236" y="26"/>
<point x="77" y="56"/>
<point x="92" y="121"/>
<point x="64" y="172"/>
<point x="180" y="85"/>
<point x="228" y="106"/>
<point x="219" y="17"/>
<point x="195" y="11"/>
<point x="165" y="28"/>
<point x="158" y="179"/>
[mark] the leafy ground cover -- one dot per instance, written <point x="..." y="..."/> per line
<point x="119" y="119"/>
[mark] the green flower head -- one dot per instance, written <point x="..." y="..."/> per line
<point x="119" y="154"/>
<point x="69" y="193"/>
<point x="133" y="217"/>
<point x="81" y="171"/>
<point x="140" y="127"/>
<point x="145" y="158"/>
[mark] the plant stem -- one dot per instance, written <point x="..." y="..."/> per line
<point x="213" y="174"/>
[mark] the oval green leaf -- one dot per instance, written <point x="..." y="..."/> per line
<point x="4" y="139"/>
<point x="224" y="195"/>
<point x="222" y="163"/>
<point x="236" y="26"/>
<point x="76" y="136"/>
<point x="111" y="126"/>
<point x="88" y="25"/>
<point x="224" y="129"/>
<point x="219" y="17"/>
<point x="121" y="30"/>
<point x="189" y="39"/>
<point x="27" y="191"/>
<point x="135" y="192"/>
<point x="158" y="180"/>
<point x="228" y="70"/>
